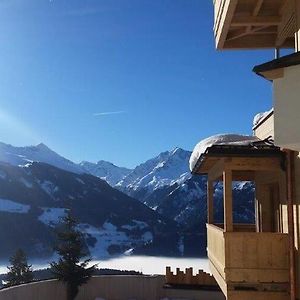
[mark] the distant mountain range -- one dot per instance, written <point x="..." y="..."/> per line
<point x="22" y="156"/>
<point x="37" y="185"/>
<point x="105" y="170"/>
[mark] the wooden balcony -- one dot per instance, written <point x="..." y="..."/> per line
<point x="246" y="24"/>
<point x="249" y="261"/>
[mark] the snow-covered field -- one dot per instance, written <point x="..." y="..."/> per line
<point x="109" y="235"/>
<point x="52" y="215"/>
<point x="145" y="264"/>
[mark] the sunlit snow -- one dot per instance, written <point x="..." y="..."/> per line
<point x="13" y="207"/>
<point x="109" y="235"/>
<point x="258" y="117"/>
<point x="220" y="139"/>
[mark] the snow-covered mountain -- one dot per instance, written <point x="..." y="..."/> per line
<point x="34" y="198"/>
<point x="186" y="203"/>
<point x="163" y="183"/>
<point x="21" y="156"/>
<point x="164" y="170"/>
<point x="166" y="185"/>
<point x="107" y="171"/>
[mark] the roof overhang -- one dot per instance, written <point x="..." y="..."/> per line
<point x="274" y="69"/>
<point x="253" y="158"/>
<point x="254" y="24"/>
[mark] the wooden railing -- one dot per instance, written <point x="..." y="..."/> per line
<point x="187" y="277"/>
<point x="238" y="227"/>
<point x="248" y="256"/>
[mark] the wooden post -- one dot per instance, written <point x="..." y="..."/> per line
<point x="258" y="220"/>
<point x="227" y="186"/>
<point x="290" y="201"/>
<point x="188" y="275"/>
<point x="210" y="202"/>
<point x="168" y="275"/>
<point x="297" y="33"/>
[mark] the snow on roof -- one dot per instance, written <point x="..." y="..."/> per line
<point x="220" y="139"/>
<point x="260" y="116"/>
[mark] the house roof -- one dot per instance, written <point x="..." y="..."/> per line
<point x="261" y="148"/>
<point x="264" y="116"/>
<point x="274" y="69"/>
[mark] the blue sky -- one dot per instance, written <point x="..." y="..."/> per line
<point x="66" y="64"/>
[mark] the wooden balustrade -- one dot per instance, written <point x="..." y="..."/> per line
<point x="187" y="278"/>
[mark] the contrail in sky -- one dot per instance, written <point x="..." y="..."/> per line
<point x="108" y="113"/>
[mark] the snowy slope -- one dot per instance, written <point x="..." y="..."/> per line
<point x="166" y="169"/>
<point x="107" y="171"/>
<point x="33" y="200"/>
<point x="21" y="156"/>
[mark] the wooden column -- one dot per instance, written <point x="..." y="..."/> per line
<point x="258" y="220"/>
<point x="210" y="202"/>
<point x="297" y="33"/>
<point x="290" y="201"/>
<point x="227" y="186"/>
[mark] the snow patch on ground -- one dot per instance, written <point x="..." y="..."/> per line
<point x="147" y="237"/>
<point x="26" y="183"/>
<point x="137" y="225"/>
<point x="80" y="180"/>
<point x="13" y="207"/>
<point x="109" y="235"/>
<point x="49" y="187"/>
<point x="220" y="139"/>
<point x="51" y="216"/>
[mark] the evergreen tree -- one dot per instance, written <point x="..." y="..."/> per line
<point x="19" y="270"/>
<point x="70" y="248"/>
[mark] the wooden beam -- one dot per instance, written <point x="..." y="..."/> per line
<point x="215" y="173"/>
<point x="225" y="16"/>
<point x="237" y="34"/>
<point x="210" y="202"/>
<point x="255" y="164"/>
<point x="242" y="32"/>
<point x="290" y="174"/>
<point x="255" y="21"/>
<point x="243" y="175"/>
<point x="257" y="7"/>
<point x="227" y="187"/>
<point x="249" y="41"/>
<point x="255" y="13"/>
<point x="297" y="33"/>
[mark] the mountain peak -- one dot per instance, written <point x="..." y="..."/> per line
<point x="42" y="146"/>
<point x="21" y="156"/>
<point x="105" y="163"/>
<point x="105" y="170"/>
<point x="178" y="150"/>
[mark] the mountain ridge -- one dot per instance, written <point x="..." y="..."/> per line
<point x="163" y="184"/>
